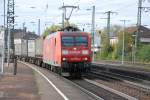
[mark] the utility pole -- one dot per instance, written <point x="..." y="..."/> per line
<point x="93" y="28"/>
<point x="139" y="17"/>
<point x="46" y="16"/>
<point x="10" y="28"/>
<point x="123" y="40"/>
<point x="108" y="21"/>
<point x="3" y="50"/>
<point x="63" y="17"/>
<point x="23" y="26"/>
<point x="33" y="24"/>
<point x="39" y="27"/>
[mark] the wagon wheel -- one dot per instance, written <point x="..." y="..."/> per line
<point x="53" y="68"/>
<point x="60" y="71"/>
<point x="43" y="65"/>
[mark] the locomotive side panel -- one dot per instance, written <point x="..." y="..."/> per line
<point x="52" y="50"/>
<point x="47" y="50"/>
<point x="57" y="49"/>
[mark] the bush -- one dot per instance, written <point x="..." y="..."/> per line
<point x="144" y="53"/>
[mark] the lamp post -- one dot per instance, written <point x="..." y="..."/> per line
<point x="33" y="24"/>
<point x="3" y="49"/>
<point x="93" y="27"/>
<point x="123" y="40"/>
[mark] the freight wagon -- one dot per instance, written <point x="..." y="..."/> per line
<point x="20" y="47"/>
<point x="24" y="45"/>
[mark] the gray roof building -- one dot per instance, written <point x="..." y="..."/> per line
<point x="144" y="32"/>
<point x="20" y="34"/>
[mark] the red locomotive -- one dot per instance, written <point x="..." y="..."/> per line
<point x="68" y="52"/>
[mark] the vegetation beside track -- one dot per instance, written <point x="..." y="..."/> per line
<point x="113" y="51"/>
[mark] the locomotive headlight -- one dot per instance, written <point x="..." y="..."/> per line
<point x="85" y="59"/>
<point x="65" y="52"/>
<point x="64" y="59"/>
<point x="85" y="52"/>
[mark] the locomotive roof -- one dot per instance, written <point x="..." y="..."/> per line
<point x="67" y="33"/>
<point x="70" y="28"/>
<point x="70" y="32"/>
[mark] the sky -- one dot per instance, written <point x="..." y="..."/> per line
<point x="29" y="11"/>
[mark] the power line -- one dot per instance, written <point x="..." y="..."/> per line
<point x="108" y="20"/>
<point x="123" y="44"/>
<point x="64" y="14"/>
<point x="139" y="17"/>
<point x="39" y="27"/>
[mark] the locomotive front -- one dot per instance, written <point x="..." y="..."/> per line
<point x="76" y="52"/>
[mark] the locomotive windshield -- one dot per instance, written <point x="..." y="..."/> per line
<point x="67" y="41"/>
<point x="74" y="41"/>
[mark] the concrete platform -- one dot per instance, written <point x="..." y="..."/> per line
<point x="28" y="84"/>
<point x="48" y="92"/>
<point x="18" y="87"/>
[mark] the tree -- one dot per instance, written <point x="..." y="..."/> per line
<point x="109" y="51"/>
<point x="105" y="45"/>
<point x="128" y="41"/>
<point x="113" y="30"/>
<point x="51" y="29"/>
<point x="54" y="28"/>
<point x="144" y="53"/>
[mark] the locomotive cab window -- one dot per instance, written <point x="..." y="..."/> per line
<point x="74" y="41"/>
<point x="67" y="41"/>
<point x="81" y="41"/>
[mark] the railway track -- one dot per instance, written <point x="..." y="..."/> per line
<point x="124" y="78"/>
<point x="99" y="91"/>
<point x="123" y="71"/>
<point x="116" y="86"/>
<point x="120" y="83"/>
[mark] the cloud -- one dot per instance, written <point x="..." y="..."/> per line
<point x="78" y="2"/>
<point x="87" y="1"/>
